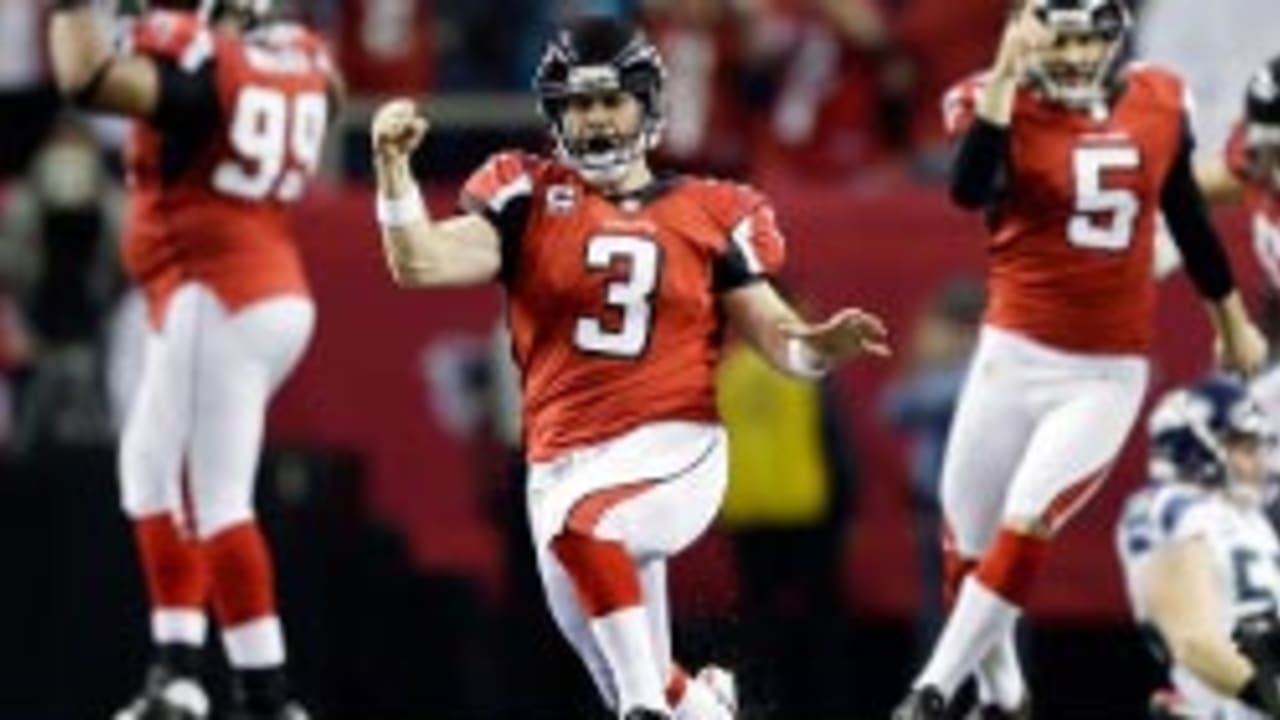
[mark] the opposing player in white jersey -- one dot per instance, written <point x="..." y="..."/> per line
<point x="230" y="115"/>
<point x="1201" y="561"/>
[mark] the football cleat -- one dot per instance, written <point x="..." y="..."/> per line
<point x="924" y="703"/>
<point x="995" y="712"/>
<point x="722" y="685"/>
<point x="167" y="696"/>
<point x="646" y="714"/>
<point x="291" y="710"/>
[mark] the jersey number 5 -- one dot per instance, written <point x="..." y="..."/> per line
<point x="277" y="141"/>
<point x="1118" y="207"/>
<point x="631" y="296"/>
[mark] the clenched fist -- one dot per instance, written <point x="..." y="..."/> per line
<point x="398" y="129"/>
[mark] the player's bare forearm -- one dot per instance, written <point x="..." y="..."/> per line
<point x="77" y="47"/>
<point x="1240" y="344"/>
<point x="995" y="103"/>
<point x="87" y="71"/>
<point x="859" y="22"/>
<point x="1022" y="36"/>
<point x="462" y="250"/>
<point x="757" y="313"/>
<point x="1179" y="590"/>
<point x="1217" y="182"/>
<point x="797" y="348"/>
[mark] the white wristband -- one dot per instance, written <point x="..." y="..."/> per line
<point x="404" y="210"/>
<point x="804" y="361"/>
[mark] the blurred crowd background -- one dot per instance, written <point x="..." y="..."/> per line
<point x="392" y="484"/>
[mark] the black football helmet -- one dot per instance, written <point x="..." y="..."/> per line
<point x="1077" y="84"/>
<point x="1262" y="129"/>
<point x="594" y="55"/>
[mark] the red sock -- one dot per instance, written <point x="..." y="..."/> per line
<point x="1012" y="564"/>
<point x="243" y="577"/>
<point x="603" y="574"/>
<point x="677" y="684"/>
<point x="175" y="572"/>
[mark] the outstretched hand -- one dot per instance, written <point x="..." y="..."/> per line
<point x="849" y="333"/>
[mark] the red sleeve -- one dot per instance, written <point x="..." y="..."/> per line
<point x="502" y="178"/>
<point x="174" y="36"/>
<point x="501" y="191"/>
<point x="1235" y="154"/>
<point x="754" y="245"/>
<point x="960" y="106"/>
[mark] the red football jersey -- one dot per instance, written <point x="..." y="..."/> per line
<point x="613" y="302"/>
<point x="1264" y="202"/>
<point x="1073" y="235"/>
<point x="210" y="204"/>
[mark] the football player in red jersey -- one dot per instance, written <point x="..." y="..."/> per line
<point x="619" y="284"/>
<point x="1071" y="155"/>
<point x="231" y="112"/>
<point x="1249" y="171"/>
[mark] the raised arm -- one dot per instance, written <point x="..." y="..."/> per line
<point x="88" y="71"/>
<point x="421" y="252"/>
<point x="983" y="128"/>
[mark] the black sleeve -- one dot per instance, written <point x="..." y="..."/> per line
<point x="186" y="98"/>
<point x="510" y="222"/>
<point x="980" y="165"/>
<point x="1187" y="214"/>
<point x="731" y="272"/>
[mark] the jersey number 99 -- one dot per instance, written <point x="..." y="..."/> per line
<point x="277" y="140"/>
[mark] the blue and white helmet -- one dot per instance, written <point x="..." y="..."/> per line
<point x="1189" y="427"/>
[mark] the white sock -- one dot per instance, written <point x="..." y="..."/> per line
<point x="700" y="703"/>
<point x="1000" y="680"/>
<point x="623" y="637"/>
<point x="980" y="618"/>
<point x="183" y="626"/>
<point x="255" y="645"/>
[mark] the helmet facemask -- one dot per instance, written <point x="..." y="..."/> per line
<point x="1262" y="129"/>
<point x="565" y="81"/>
<point x="1079" y="69"/>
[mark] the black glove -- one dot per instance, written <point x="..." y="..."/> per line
<point x="1258" y="638"/>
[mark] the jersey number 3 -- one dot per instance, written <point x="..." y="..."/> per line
<point x="1104" y="217"/>
<point x="631" y="296"/>
<point x="277" y="141"/>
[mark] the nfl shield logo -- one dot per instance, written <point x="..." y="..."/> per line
<point x="561" y="199"/>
